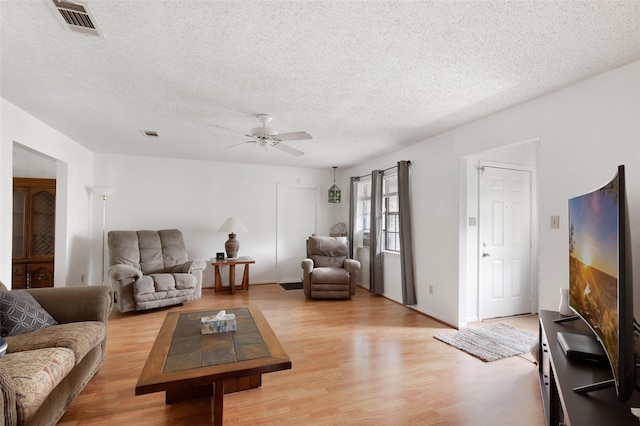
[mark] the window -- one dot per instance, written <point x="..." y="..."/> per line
<point x="390" y="214"/>
<point x="364" y="213"/>
<point x="391" y="219"/>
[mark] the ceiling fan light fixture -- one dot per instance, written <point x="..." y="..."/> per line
<point x="266" y="137"/>
<point x="263" y="132"/>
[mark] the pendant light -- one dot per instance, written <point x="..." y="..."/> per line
<point x="334" y="191"/>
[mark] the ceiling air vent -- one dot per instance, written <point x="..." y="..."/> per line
<point x="77" y="17"/>
<point x="150" y="133"/>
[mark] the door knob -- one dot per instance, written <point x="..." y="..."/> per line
<point x="485" y="254"/>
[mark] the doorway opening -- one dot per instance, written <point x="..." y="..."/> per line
<point x="34" y="219"/>
<point x="503" y="274"/>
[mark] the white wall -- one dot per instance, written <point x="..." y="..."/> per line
<point x="434" y="197"/>
<point x="32" y="164"/>
<point x="198" y="196"/>
<point x="73" y="174"/>
<point x="152" y="193"/>
<point x="585" y="131"/>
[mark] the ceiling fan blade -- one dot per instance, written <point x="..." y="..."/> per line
<point x="231" y="130"/>
<point x="288" y="149"/>
<point x="295" y="136"/>
<point x="238" y="144"/>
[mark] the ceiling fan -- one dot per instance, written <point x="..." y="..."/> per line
<point x="266" y="137"/>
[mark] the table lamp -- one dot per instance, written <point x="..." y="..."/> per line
<point x="231" y="246"/>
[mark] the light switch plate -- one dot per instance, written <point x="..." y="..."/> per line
<point x="555" y="222"/>
<point x="472" y="221"/>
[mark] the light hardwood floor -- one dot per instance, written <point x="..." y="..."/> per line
<point x="366" y="361"/>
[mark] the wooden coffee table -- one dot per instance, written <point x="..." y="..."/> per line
<point x="186" y="364"/>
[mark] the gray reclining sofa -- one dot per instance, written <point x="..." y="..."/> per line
<point x="150" y="269"/>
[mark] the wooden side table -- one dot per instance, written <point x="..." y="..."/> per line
<point x="231" y="263"/>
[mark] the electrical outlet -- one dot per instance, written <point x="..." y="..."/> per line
<point x="430" y="289"/>
<point x="82" y="278"/>
<point x="555" y="222"/>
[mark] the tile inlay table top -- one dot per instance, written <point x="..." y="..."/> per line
<point x="185" y="363"/>
<point x="191" y="349"/>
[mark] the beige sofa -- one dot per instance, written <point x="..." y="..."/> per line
<point x="150" y="269"/>
<point x="44" y="370"/>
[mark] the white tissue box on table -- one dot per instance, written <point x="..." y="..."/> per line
<point x="220" y="323"/>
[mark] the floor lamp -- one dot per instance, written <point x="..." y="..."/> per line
<point x="104" y="192"/>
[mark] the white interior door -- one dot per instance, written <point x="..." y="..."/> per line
<point x="505" y="242"/>
<point x="296" y="211"/>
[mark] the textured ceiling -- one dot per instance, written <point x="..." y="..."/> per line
<point x="363" y="78"/>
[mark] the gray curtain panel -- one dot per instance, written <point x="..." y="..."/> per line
<point x="376" y="276"/>
<point x="353" y="202"/>
<point x="406" y="243"/>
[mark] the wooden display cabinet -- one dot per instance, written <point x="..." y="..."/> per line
<point x="34" y="214"/>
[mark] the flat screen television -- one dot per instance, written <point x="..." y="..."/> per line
<point x="600" y="281"/>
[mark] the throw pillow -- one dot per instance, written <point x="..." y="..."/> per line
<point x="20" y="312"/>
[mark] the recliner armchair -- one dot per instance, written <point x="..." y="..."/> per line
<point x="150" y="269"/>
<point x="327" y="271"/>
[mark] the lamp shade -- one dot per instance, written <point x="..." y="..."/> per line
<point x="232" y="225"/>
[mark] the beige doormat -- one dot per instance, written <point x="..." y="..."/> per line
<point x="491" y="342"/>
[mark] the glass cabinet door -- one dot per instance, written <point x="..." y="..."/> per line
<point x="19" y="222"/>
<point x="43" y="223"/>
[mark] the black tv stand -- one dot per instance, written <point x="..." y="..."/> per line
<point x="605" y="384"/>
<point x="566" y="319"/>
<point x="559" y="376"/>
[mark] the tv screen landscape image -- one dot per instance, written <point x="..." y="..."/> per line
<point x="600" y="285"/>
<point x="593" y="262"/>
